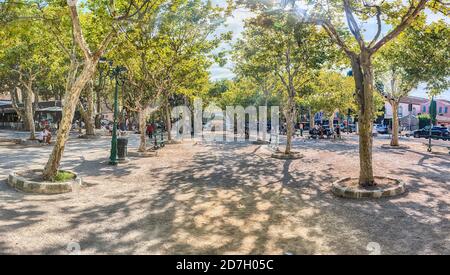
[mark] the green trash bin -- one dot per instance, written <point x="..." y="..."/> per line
<point x="122" y="149"/>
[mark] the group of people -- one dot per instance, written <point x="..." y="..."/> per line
<point x="152" y="128"/>
<point x="319" y="131"/>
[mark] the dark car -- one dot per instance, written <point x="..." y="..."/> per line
<point x="436" y="133"/>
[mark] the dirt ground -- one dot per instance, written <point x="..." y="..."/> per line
<point x="228" y="199"/>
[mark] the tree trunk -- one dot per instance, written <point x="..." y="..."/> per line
<point x="331" y="123"/>
<point x="395" y="126"/>
<point x="168" y="121"/>
<point x="142" y="129"/>
<point x="26" y="112"/>
<point x="98" y="115"/>
<point x="363" y="76"/>
<point x="90" y="112"/>
<point x="87" y="115"/>
<point x="28" y="100"/>
<point x="290" y="114"/>
<point x="311" y="119"/>
<point x="70" y="102"/>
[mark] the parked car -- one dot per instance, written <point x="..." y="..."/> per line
<point x="381" y="129"/>
<point x="409" y="133"/>
<point x="437" y="132"/>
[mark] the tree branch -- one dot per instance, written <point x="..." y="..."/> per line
<point x="405" y="22"/>
<point x="102" y="48"/>
<point x="352" y="24"/>
<point x="332" y="33"/>
<point x="377" y="35"/>
<point x="77" y="31"/>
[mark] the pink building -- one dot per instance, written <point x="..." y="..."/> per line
<point x="408" y="119"/>
<point x="403" y="108"/>
<point x="443" y="111"/>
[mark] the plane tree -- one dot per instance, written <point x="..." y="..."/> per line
<point x="339" y="17"/>
<point x="331" y="93"/>
<point x="290" y="49"/>
<point x="420" y="55"/>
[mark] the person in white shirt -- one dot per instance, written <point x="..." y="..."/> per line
<point x="45" y="135"/>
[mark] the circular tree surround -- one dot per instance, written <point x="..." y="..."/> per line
<point x="350" y="188"/>
<point x="30" y="182"/>
<point x="173" y="142"/>
<point x="147" y="154"/>
<point x="260" y="142"/>
<point x="30" y="142"/>
<point x="282" y="155"/>
<point x="85" y="136"/>
<point x="390" y="147"/>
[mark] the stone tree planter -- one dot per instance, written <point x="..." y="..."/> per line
<point x="90" y="137"/>
<point x="283" y="156"/>
<point x="349" y="188"/>
<point x="390" y="147"/>
<point x="149" y="153"/>
<point x="30" y="142"/>
<point x="260" y="142"/>
<point x="173" y="142"/>
<point x="30" y="182"/>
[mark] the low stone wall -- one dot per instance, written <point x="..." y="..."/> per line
<point x="30" y="142"/>
<point x="389" y="147"/>
<point x="260" y="142"/>
<point x="28" y="186"/>
<point x="281" y="155"/>
<point x="13" y="140"/>
<point x="341" y="190"/>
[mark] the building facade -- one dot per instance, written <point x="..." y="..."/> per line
<point x="443" y="111"/>
<point x="46" y="113"/>
<point x="409" y="108"/>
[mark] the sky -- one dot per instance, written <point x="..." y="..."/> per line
<point x="235" y="23"/>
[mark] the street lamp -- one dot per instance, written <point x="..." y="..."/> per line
<point x="115" y="72"/>
<point x="433" y="114"/>
<point x="99" y="90"/>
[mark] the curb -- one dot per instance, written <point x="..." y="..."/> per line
<point x="283" y="156"/>
<point x="49" y="188"/>
<point x="356" y="193"/>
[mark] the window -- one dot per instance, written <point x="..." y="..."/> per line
<point x="424" y="109"/>
<point x="440" y="110"/>
<point x="446" y="110"/>
<point x="414" y="111"/>
<point x="400" y="111"/>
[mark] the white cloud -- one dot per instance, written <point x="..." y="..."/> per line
<point x="235" y="24"/>
<point x="422" y="92"/>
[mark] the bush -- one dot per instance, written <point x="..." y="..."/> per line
<point x="424" y="120"/>
<point x="63" y="176"/>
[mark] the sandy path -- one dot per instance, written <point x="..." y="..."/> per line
<point x="228" y="198"/>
